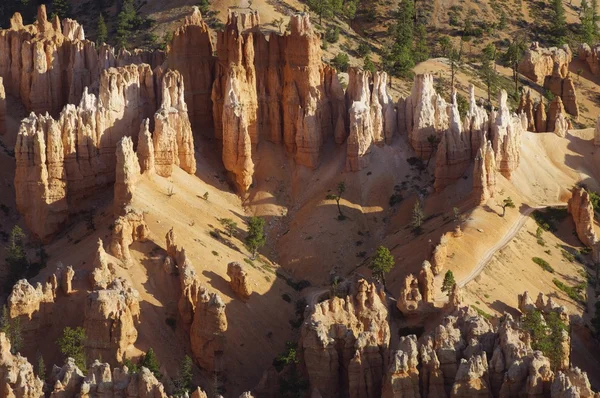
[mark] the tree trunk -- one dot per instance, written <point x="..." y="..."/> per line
<point x="338" y="206"/>
<point x="503" y="210"/>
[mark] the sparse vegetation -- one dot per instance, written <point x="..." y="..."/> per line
<point x="256" y="237"/>
<point x="229" y="225"/>
<point x="507" y="203"/>
<point x="481" y="312"/>
<point x="382" y="263"/>
<point x="183" y="382"/>
<point x="341" y="188"/>
<point x="71" y="345"/>
<point x="287" y="357"/>
<point x="573" y="292"/>
<point x="12" y="329"/>
<point x="418" y="216"/>
<point x="546" y="333"/>
<point x="448" y="283"/>
<point x="544" y="264"/>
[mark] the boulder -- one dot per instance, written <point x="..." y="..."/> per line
<point x="239" y="280"/>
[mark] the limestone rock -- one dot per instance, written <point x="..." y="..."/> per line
<point x="207" y="333"/>
<point x="582" y="210"/>
<point x="453" y="153"/>
<point x="237" y="142"/>
<point x="527" y="106"/>
<point x="476" y="124"/>
<point x="402" y="378"/>
<point x="191" y="53"/>
<point x="362" y="127"/>
<point x="472" y="378"/>
<point x="345" y="343"/>
<point x="239" y="282"/>
<point x="18" y="378"/>
<point x="103" y="273"/>
<point x="110" y="321"/>
<point x="417" y="293"/>
<point x="145" y="148"/>
<point x="455" y="299"/>
<point x="127" y="174"/>
<point x="127" y="229"/>
<point x="67" y="379"/>
<point x="438" y="257"/>
<point x="591" y="55"/>
<point x="426" y="115"/>
<point x="539" y="62"/>
<point x="484" y="173"/>
<point x="66" y="280"/>
<point x="572" y="379"/>
<point x="506" y="138"/>
<point x="526" y="304"/>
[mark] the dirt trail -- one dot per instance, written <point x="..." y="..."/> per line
<point x="489" y="254"/>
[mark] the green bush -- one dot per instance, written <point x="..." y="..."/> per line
<point x="341" y="62"/>
<point x="546" y="333"/>
<point x="363" y="49"/>
<point x="572" y="292"/>
<point x="544" y="264"/>
<point x="287" y="357"/>
<point x="332" y="34"/>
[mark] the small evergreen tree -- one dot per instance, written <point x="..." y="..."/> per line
<point x="62" y="8"/>
<point x="418" y="215"/>
<point x="514" y="54"/>
<point x="101" y="30"/>
<point x="15" y="254"/>
<point x="421" y="50"/>
<point x="71" y="345"/>
<point x="125" y="23"/>
<point x="368" y="65"/>
<point x="448" y="283"/>
<point x="204" y="7"/>
<point x="547" y="335"/>
<point x="508" y="202"/>
<point x="341" y="188"/>
<point x="41" y="368"/>
<point x="256" y="235"/>
<point x="151" y="363"/>
<point x="382" y="263"/>
<point x="183" y="383"/>
<point x="12" y="329"/>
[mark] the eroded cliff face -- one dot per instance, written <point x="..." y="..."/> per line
<point x="111" y="316"/>
<point x="18" y="378"/>
<point x="345" y="341"/>
<point x="416" y="294"/>
<point x="581" y="208"/>
<point x="48" y="66"/>
<point x="62" y="162"/>
<point x="550" y="67"/>
<point x="191" y="53"/>
<point x="506" y="131"/>
<point x="202" y="313"/>
<point x="538" y="120"/>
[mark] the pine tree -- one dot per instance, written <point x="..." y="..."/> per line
<point x="508" y="202"/>
<point x="256" y="235"/>
<point x="150" y="361"/>
<point x="101" y="31"/>
<point x="558" y="22"/>
<point x="62" y="8"/>
<point x="418" y="215"/>
<point x="382" y="263"/>
<point x="41" y="368"/>
<point x="71" y="345"/>
<point x="15" y="256"/>
<point x="183" y="383"/>
<point x="341" y="188"/>
<point x="448" y="283"/>
<point x="125" y="23"/>
<point x="421" y="51"/>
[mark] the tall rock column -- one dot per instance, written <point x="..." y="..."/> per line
<point x="362" y="127"/>
<point x="454" y="151"/>
<point x="191" y="53"/>
<point x="2" y="108"/>
<point x="582" y="210"/>
<point x="506" y="131"/>
<point x="127" y="174"/>
<point x="484" y="173"/>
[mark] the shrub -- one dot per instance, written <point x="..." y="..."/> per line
<point x="341" y="62"/>
<point x="572" y="292"/>
<point x="286" y="297"/>
<point x="71" y="345"/>
<point x="570" y="257"/>
<point x="287" y="357"/>
<point x="363" y="49"/>
<point x="395" y="199"/>
<point x="332" y="34"/>
<point x="546" y="333"/>
<point x="544" y="264"/>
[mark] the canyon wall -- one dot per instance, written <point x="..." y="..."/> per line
<point x="47" y="65"/>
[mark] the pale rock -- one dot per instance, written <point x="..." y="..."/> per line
<point x="66" y="380"/>
<point x="128" y="228"/>
<point x="453" y="152"/>
<point x="17" y="375"/>
<point x="145" y="148"/>
<point x="539" y="62"/>
<point x="484" y="173"/>
<point x="127" y="173"/>
<point x="472" y="378"/>
<point x="207" y="334"/>
<point x="239" y="280"/>
<point x="345" y="341"/>
<point x="477" y="123"/>
<point x="591" y="55"/>
<point x="2" y="108"/>
<point x="426" y="115"/>
<point x="417" y="293"/>
<point x="581" y="208"/>
<point x="439" y="255"/>
<point x="402" y="378"/>
<point x="104" y="272"/>
<point x="66" y="280"/>
<point x="506" y="131"/>
<point x="110" y="321"/>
